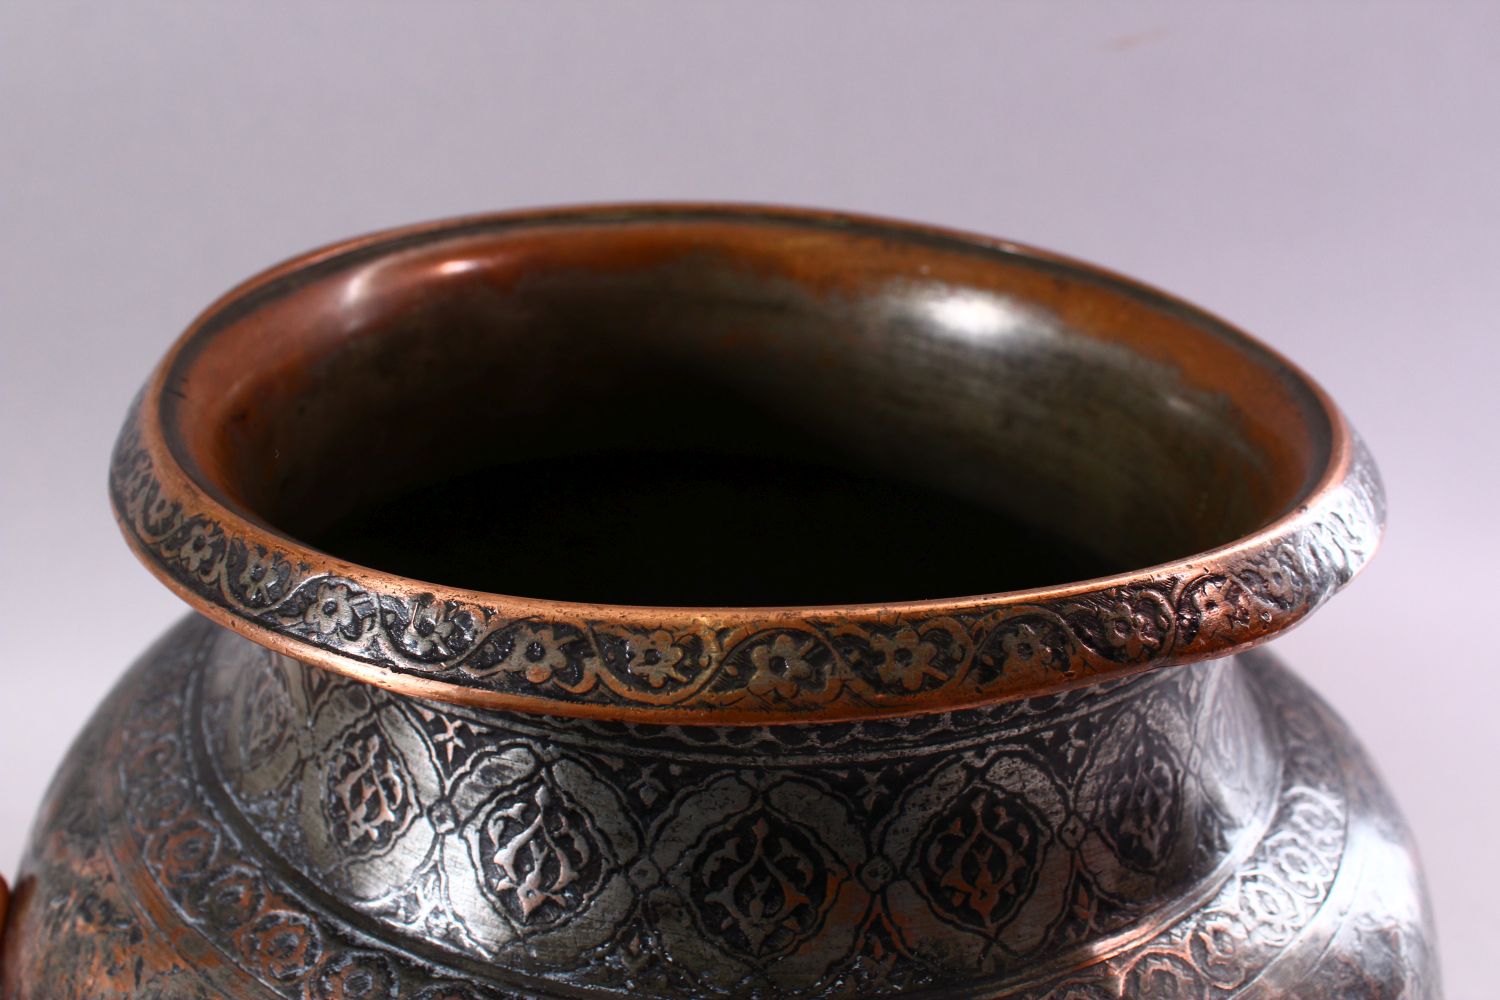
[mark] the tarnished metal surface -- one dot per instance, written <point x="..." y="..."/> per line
<point x="768" y="748"/>
<point x="236" y="823"/>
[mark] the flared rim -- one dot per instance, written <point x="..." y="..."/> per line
<point x="723" y="665"/>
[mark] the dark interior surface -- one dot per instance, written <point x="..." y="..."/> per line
<point x="676" y="528"/>
<point x="651" y="417"/>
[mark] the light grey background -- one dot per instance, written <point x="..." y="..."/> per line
<point x="1325" y="174"/>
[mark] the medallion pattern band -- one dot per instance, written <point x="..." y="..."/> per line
<point x="486" y="856"/>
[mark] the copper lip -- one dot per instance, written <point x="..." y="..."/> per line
<point x="1328" y="497"/>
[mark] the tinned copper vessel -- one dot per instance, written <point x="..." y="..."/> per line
<point x="892" y="596"/>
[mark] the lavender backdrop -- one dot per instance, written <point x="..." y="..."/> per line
<point x="1326" y="174"/>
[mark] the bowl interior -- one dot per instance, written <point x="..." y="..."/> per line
<point x="704" y="411"/>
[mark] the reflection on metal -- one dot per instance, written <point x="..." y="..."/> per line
<point x="975" y="316"/>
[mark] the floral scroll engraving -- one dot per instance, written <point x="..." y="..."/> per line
<point x="813" y="666"/>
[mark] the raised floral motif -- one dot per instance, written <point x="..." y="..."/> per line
<point x="653" y="657"/>
<point x="906" y="659"/>
<point x="334" y="608"/>
<point x="200" y="549"/>
<point x="539" y="857"/>
<point x="232" y="897"/>
<point x="763" y="884"/>
<point x="431" y="630"/>
<point x="354" y="975"/>
<point x="282" y="946"/>
<point x="537" y="652"/>
<point x="782" y="666"/>
<point x="369" y="795"/>
<point x="982" y="857"/>
<point x="259" y="577"/>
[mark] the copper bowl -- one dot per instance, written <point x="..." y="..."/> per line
<point x="804" y="584"/>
